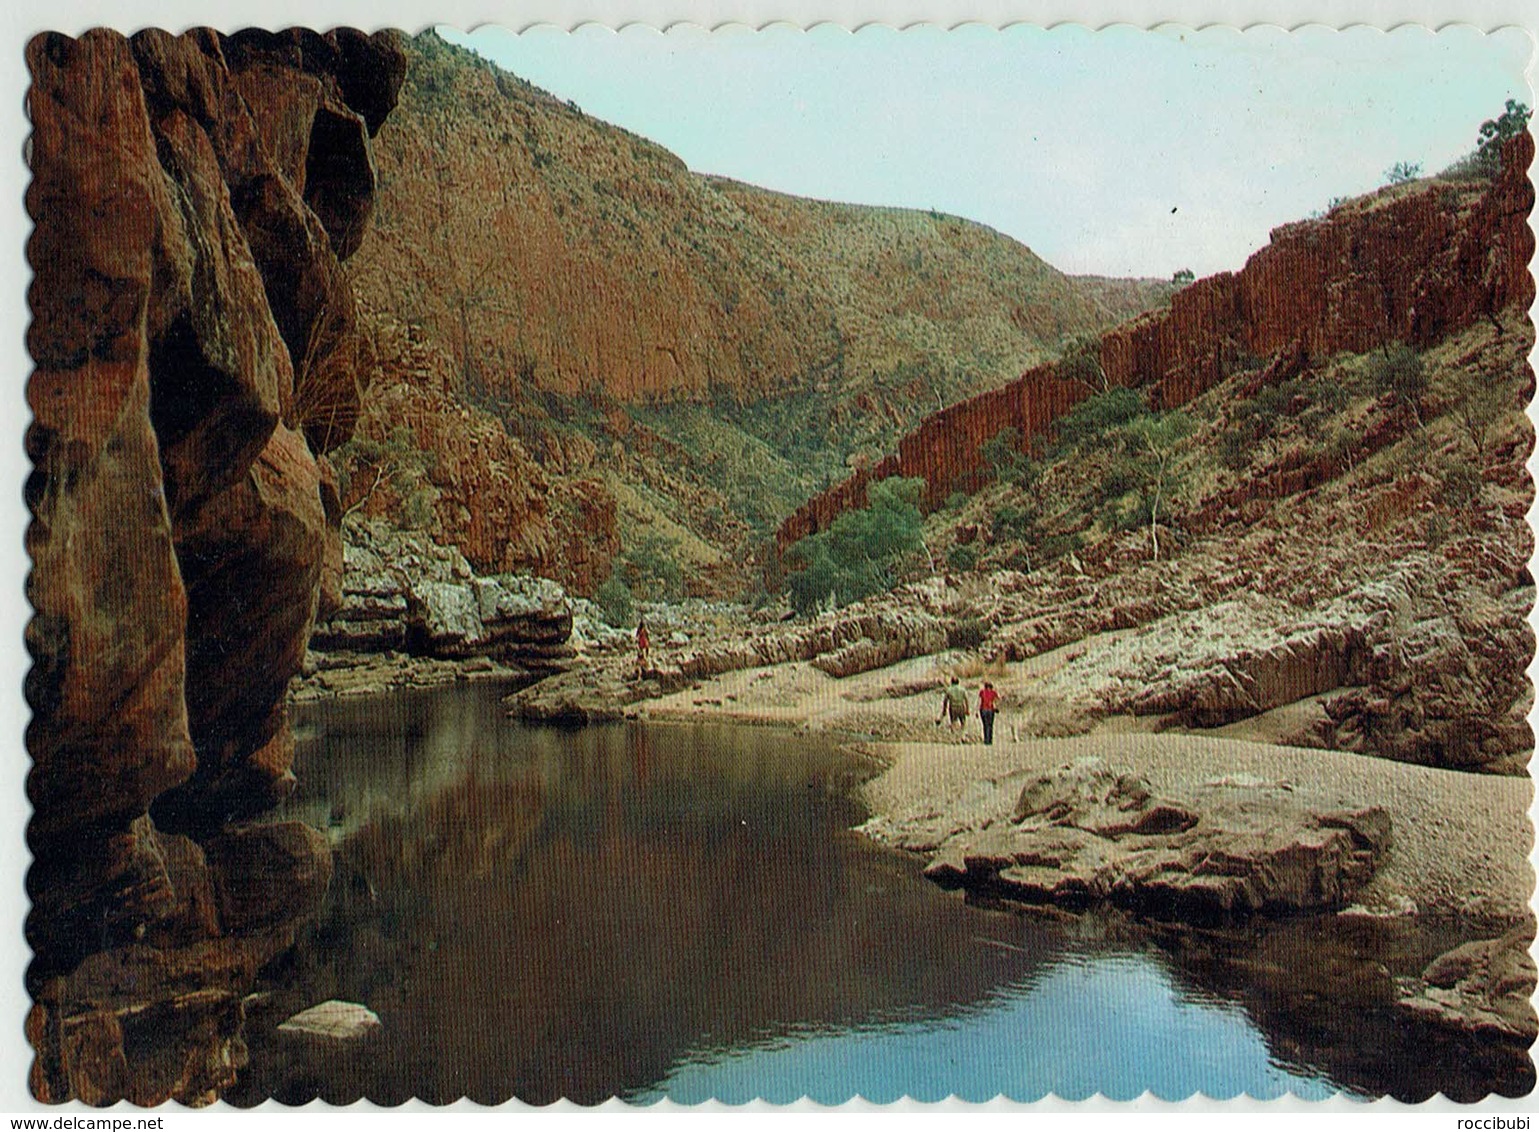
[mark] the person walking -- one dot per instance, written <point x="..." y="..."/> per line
<point x="988" y="706"/>
<point x="954" y="706"/>
<point x="643" y="647"/>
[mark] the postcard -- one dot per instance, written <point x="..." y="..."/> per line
<point x="778" y="564"/>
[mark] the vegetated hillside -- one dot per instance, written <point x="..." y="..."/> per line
<point x="708" y="352"/>
<point x="1413" y="262"/>
<point x="1342" y="554"/>
<point x="1297" y="507"/>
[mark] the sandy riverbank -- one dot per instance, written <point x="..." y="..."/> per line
<point x="1461" y="840"/>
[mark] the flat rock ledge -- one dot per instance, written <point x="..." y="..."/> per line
<point x="1085" y="834"/>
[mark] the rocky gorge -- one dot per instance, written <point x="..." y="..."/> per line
<point x="322" y="415"/>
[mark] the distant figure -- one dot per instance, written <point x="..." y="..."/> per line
<point x="988" y="704"/>
<point x="954" y="706"/>
<point x="643" y="646"/>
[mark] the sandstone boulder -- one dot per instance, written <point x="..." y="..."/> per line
<point x="333" y="1023"/>
<point x="1085" y="833"/>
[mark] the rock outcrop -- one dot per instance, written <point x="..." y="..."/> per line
<point x="842" y="643"/>
<point x="402" y="592"/>
<point x="195" y="346"/>
<point x="1085" y="834"/>
<point x="507" y="509"/>
<point x="1411" y="263"/>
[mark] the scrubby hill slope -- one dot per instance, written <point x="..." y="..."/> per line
<point x="707" y="350"/>
<point x="1297" y="508"/>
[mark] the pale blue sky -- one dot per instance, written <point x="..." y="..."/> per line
<point x="1118" y="152"/>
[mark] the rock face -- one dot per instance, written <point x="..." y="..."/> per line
<point x="1410" y="263"/>
<point x="1086" y="834"/>
<point x="506" y="508"/>
<point x="1484" y="988"/>
<point x="195" y="346"/>
<point x="403" y="592"/>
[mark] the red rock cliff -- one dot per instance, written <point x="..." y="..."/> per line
<point x="195" y="348"/>
<point x="1410" y="263"/>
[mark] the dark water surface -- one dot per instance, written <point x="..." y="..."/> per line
<point x="650" y="911"/>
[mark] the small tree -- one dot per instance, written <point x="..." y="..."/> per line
<point x="1481" y="405"/>
<point x="1183" y="278"/>
<point x="1495" y="132"/>
<point x="1095" y="416"/>
<point x="1399" y="371"/>
<point x="1081" y="363"/>
<point x="1486" y="158"/>
<point x="613" y="598"/>
<point x="1401" y="172"/>
<point x="651" y="569"/>
<point x="1151" y="472"/>
<point x="861" y="551"/>
<point x="396" y="463"/>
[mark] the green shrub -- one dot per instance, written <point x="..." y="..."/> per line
<point x="1081" y="363"/>
<point x="956" y="500"/>
<point x="962" y="557"/>
<point x="1097" y="415"/>
<point x="1009" y="463"/>
<point x="417" y="508"/>
<point x="861" y="552"/>
<point x="1056" y="546"/>
<point x="651" y="569"/>
<point x="1014" y="524"/>
<point x="1119" y="479"/>
<point x="1333" y="395"/>
<point x="613" y="598"/>
<point x="1398" y="370"/>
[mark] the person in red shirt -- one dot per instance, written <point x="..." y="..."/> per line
<point x="988" y="704"/>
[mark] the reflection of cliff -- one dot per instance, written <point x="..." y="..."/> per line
<point x="1412" y="263"/>
<point x="196" y="348"/>
<point x="568" y="919"/>
<point x="539" y="913"/>
<point x="1321" y="991"/>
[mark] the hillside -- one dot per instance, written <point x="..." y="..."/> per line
<point x="711" y="352"/>
<point x="1411" y="263"/>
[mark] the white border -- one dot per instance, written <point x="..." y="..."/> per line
<point x="23" y="18"/>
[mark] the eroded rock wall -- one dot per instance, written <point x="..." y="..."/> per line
<point x="1411" y="263"/>
<point x="196" y="348"/>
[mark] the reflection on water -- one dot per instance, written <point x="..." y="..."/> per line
<point x="683" y="912"/>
